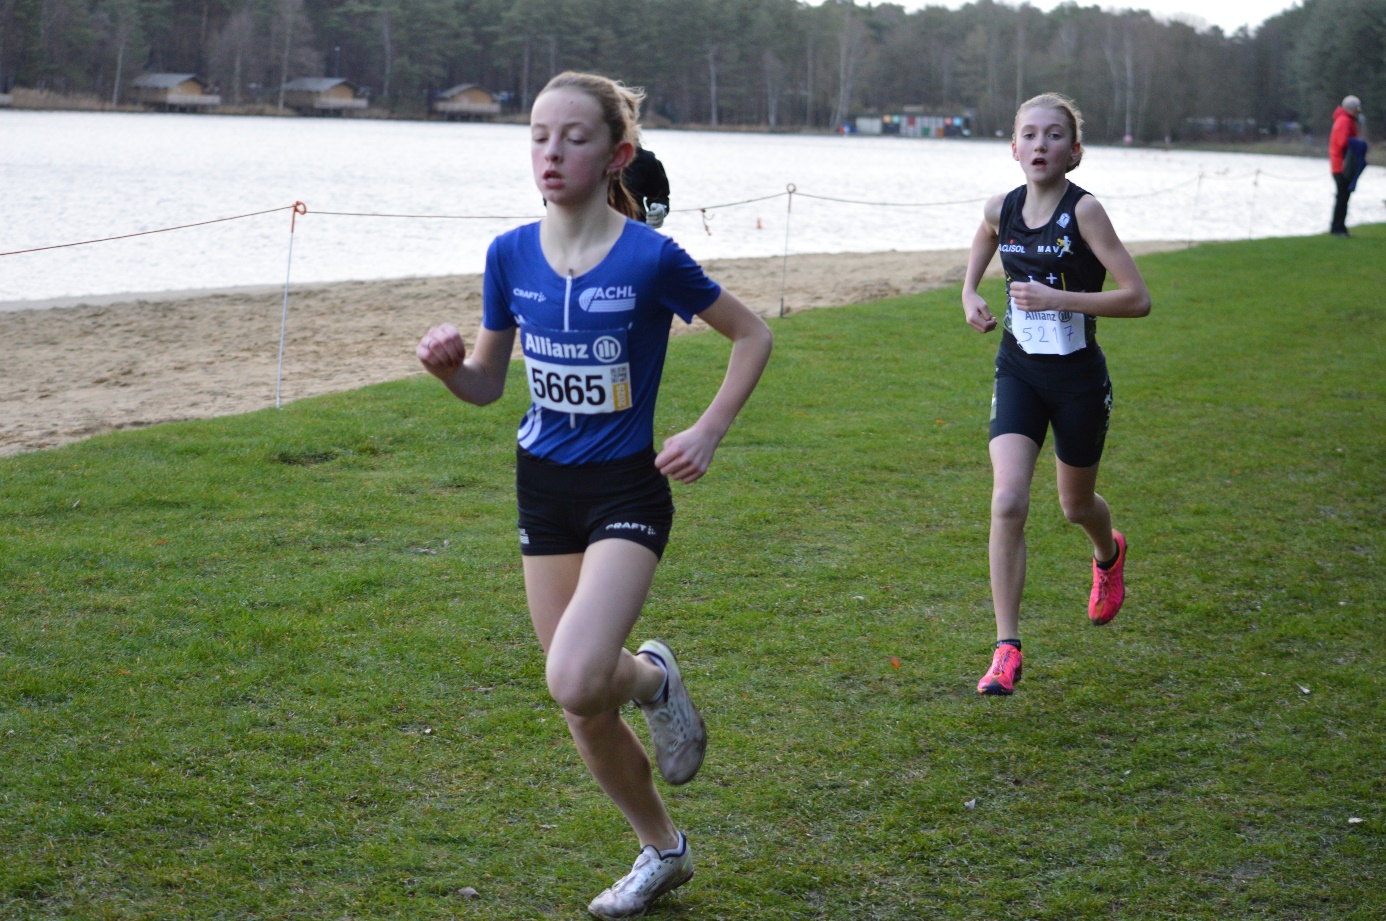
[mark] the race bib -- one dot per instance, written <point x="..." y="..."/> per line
<point x="584" y="371"/>
<point x="1048" y="332"/>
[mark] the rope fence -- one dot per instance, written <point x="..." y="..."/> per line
<point x="705" y="212"/>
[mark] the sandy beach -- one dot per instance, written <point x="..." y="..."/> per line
<point x="69" y="371"/>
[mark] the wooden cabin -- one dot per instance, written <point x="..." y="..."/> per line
<point x="173" y="92"/>
<point x="466" y="101"/>
<point x="323" y="95"/>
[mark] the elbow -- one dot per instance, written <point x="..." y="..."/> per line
<point x="483" y="399"/>
<point x="1143" y="305"/>
<point x="758" y="336"/>
<point x="478" y="395"/>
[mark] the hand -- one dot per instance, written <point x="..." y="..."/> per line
<point x="977" y="314"/>
<point x="687" y="455"/>
<point x="655" y="213"/>
<point x="442" y="351"/>
<point x="1033" y="296"/>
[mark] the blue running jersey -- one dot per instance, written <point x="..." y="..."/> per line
<point x="594" y="344"/>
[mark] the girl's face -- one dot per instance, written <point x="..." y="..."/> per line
<point x="571" y="149"/>
<point x="1044" y="144"/>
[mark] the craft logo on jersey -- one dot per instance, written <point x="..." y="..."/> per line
<point x="1062" y="247"/>
<point x="612" y="299"/>
<point x="1011" y="247"/>
<point x="527" y="295"/>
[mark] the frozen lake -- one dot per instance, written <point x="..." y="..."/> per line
<point x="72" y="176"/>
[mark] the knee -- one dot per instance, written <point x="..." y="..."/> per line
<point x="579" y="690"/>
<point x="1076" y="509"/>
<point x="1010" y="505"/>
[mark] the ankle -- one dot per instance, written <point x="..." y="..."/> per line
<point x="658" y="685"/>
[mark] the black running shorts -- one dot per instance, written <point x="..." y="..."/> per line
<point x="564" y="508"/>
<point x="1074" y="397"/>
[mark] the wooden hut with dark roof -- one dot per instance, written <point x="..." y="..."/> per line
<point x="466" y="101"/>
<point x="173" y="92"/>
<point x="323" y="95"/>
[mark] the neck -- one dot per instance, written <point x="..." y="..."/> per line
<point x="1046" y="195"/>
<point x="575" y="237"/>
<point x="578" y="219"/>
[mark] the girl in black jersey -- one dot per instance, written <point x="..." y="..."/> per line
<point x="1057" y="246"/>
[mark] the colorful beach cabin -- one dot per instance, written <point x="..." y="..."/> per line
<point x="323" y="95"/>
<point x="173" y="92"/>
<point x="466" y="101"/>
<point x="913" y="122"/>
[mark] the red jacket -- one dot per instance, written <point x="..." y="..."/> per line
<point x="1344" y="127"/>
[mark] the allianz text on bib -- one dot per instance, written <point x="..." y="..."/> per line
<point x="583" y="371"/>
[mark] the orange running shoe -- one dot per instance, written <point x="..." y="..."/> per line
<point x="1108" y="587"/>
<point x="1004" y="671"/>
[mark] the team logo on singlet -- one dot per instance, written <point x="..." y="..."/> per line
<point x="1011" y="247"/>
<point x="612" y="299"/>
<point x="1063" y="220"/>
<point x="1062" y="247"/>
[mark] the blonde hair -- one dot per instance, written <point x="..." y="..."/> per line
<point x="620" y="106"/>
<point x="1065" y="105"/>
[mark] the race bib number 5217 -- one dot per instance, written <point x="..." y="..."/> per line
<point x="1048" y="332"/>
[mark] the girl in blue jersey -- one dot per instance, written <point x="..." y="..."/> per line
<point x="1057" y="246"/>
<point x="591" y="295"/>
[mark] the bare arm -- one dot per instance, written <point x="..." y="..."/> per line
<point x="478" y="378"/>
<point x="1129" y="299"/>
<point x="983" y="249"/>
<point x="687" y="455"/>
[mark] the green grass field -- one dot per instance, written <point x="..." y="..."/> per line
<point x="278" y="665"/>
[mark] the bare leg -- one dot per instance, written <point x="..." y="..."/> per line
<point x="1012" y="469"/>
<point x="583" y="607"/>
<point x="1085" y="508"/>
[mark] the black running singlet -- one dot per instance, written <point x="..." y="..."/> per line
<point x="1054" y="254"/>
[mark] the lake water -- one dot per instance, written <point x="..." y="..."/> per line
<point x="67" y="177"/>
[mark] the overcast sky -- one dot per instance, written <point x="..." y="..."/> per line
<point x="1231" y="15"/>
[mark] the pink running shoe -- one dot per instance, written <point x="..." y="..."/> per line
<point x="1004" y="671"/>
<point x="1108" y="587"/>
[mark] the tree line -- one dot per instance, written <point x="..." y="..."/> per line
<point x="780" y="64"/>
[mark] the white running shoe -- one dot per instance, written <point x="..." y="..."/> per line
<point x="654" y="874"/>
<point x="678" y="732"/>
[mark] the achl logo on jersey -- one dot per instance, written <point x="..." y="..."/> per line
<point x="611" y="299"/>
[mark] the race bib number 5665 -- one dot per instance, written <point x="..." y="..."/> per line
<point x="578" y="371"/>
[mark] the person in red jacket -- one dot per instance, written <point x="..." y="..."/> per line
<point x="1344" y="128"/>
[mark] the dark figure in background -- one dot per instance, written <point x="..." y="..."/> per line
<point x="1344" y="175"/>
<point x="648" y="185"/>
